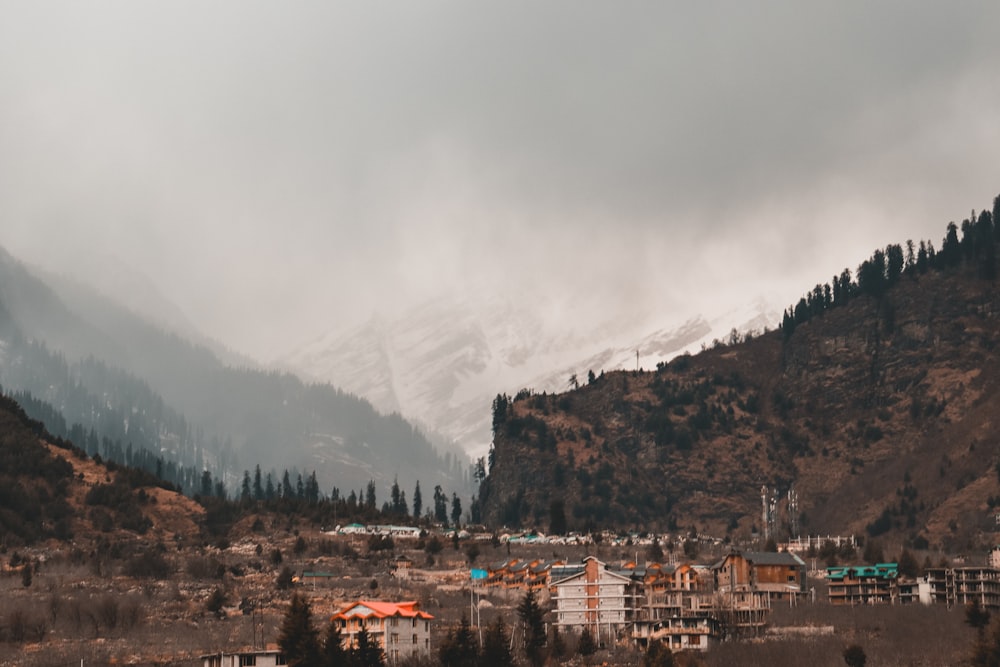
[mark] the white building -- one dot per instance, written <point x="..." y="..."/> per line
<point x="597" y="599"/>
<point x="400" y="628"/>
<point x="248" y="658"/>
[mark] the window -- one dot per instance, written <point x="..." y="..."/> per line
<point x="414" y="639"/>
<point x="694" y="640"/>
<point x="248" y="660"/>
<point x="280" y="659"/>
<point x="394" y="638"/>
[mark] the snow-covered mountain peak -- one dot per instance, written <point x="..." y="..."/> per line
<point x="442" y="363"/>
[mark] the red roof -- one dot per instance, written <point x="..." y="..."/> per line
<point x="382" y="610"/>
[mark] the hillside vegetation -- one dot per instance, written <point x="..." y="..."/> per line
<point x="876" y="399"/>
<point x="117" y="385"/>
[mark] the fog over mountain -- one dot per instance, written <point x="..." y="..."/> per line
<point x="283" y="172"/>
<point x="442" y="363"/>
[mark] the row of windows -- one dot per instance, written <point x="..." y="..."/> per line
<point x="393" y="622"/>
<point x="250" y="660"/>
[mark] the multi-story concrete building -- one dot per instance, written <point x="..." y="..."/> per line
<point x="271" y="657"/>
<point x="965" y="585"/>
<point x="863" y="584"/>
<point x="400" y="628"/>
<point x="595" y="598"/>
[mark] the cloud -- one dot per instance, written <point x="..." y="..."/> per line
<point x="280" y="169"/>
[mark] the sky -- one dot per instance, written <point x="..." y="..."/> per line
<point x="278" y="170"/>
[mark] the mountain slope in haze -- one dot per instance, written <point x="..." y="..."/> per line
<point x="877" y="401"/>
<point x="109" y="370"/>
<point x="442" y="363"/>
<point x="51" y="490"/>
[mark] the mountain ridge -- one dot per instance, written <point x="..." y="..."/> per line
<point x="441" y="363"/>
<point x="875" y="400"/>
<point x="86" y="359"/>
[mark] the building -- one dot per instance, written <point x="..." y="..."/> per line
<point x="400" y="628"/>
<point x="780" y="575"/>
<point x="917" y="591"/>
<point x="965" y="585"/>
<point x="249" y="658"/>
<point x="863" y="584"/>
<point x="595" y="598"/>
<point x="679" y="633"/>
<point x="516" y="574"/>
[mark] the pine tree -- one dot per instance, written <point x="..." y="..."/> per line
<point x="258" y="487"/>
<point x="298" y="639"/>
<point x="418" y="501"/>
<point x="456" y="510"/>
<point x="658" y="655"/>
<point x="459" y="647"/>
<point x="394" y="495"/>
<point x="245" y="489"/>
<point x="366" y="653"/>
<point x="586" y="646"/>
<point x="334" y="653"/>
<point x="534" y="628"/>
<point x="440" y="505"/>
<point x="987" y="650"/>
<point x="496" y="646"/>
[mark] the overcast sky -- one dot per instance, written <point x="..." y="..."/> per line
<point x="277" y="169"/>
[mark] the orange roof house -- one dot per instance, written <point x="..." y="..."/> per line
<point x="402" y="629"/>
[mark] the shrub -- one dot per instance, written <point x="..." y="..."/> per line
<point x="150" y="564"/>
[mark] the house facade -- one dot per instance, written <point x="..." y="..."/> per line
<point x="697" y="632"/>
<point x="597" y="599"/>
<point x="863" y="584"/>
<point x="247" y="658"/>
<point x="780" y="575"/>
<point x="964" y="585"/>
<point x="401" y="629"/>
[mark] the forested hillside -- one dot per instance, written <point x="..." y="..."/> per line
<point x="876" y="400"/>
<point x="113" y="384"/>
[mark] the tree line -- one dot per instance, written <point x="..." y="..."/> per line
<point x="976" y="247"/>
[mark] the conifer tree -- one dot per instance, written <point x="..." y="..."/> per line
<point x="298" y="639"/>
<point x="334" y="653"/>
<point x="258" y="486"/>
<point x="658" y="655"/>
<point x="496" y="646"/>
<point x="456" y="510"/>
<point x="440" y="505"/>
<point x="531" y="615"/>
<point x="366" y="652"/>
<point x="418" y="501"/>
<point x="459" y="647"/>
<point x="245" y="489"/>
<point x="586" y="646"/>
